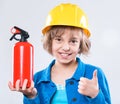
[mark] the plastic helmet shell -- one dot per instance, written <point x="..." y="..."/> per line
<point x="67" y="15"/>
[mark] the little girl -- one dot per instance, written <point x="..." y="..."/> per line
<point x="66" y="80"/>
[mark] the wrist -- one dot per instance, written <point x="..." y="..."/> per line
<point x="95" y="94"/>
<point x="31" y="96"/>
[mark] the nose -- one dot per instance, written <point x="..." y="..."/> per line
<point x="66" y="47"/>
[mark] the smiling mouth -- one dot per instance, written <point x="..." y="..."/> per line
<point x="65" y="54"/>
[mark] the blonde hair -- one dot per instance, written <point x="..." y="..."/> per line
<point x="85" y="43"/>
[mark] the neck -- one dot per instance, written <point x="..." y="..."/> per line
<point x="66" y="66"/>
<point x="64" y="70"/>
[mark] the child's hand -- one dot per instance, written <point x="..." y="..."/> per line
<point x="30" y="92"/>
<point x="89" y="87"/>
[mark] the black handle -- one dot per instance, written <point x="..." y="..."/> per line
<point x="18" y="31"/>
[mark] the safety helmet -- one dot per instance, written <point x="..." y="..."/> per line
<point x="67" y="15"/>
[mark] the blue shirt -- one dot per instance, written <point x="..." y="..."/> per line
<point x="60" y="95"/>
<point x="46" y="88"/>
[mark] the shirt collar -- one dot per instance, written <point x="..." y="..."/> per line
<point x="80" y="71"/>
<point x="45" y="73"/>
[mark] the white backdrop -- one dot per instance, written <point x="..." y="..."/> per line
<point x="30" y="15"/>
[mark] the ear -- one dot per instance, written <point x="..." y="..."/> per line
<point x="79" y="50"/>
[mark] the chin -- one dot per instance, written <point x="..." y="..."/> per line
<point x="66" y="61"/>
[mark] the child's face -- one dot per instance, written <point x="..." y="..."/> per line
<point x="66" y="46"/>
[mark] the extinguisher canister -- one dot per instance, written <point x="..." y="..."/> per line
<point x="23" y="63"/>
<point x="23" y="60"/>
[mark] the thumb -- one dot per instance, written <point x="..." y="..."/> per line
<point x="94" y="75"/>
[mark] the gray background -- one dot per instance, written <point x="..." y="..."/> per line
<point x="30" y="15"/>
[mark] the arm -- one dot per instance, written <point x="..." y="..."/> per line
<point x="96" y="89"/>
<point x="103" y="96"/>
<point x="34" y="100"/>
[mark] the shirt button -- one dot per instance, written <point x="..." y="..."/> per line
<point x="74" y="99"/>
<point x="71" y="82"/>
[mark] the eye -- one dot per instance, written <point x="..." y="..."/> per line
<point x="74" y="41"/>
<point x="58" y="39"/>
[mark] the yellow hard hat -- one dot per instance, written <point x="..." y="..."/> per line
<point x="67" y="15"/>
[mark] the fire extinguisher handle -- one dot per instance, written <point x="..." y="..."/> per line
<point x="18" y="31"/>
<point x="14" y="37"/>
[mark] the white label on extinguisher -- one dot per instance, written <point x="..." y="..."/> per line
<point x="31" y="62"/>
<point x="21" y="61"/>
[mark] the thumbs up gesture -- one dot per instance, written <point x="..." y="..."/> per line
<point x="89" y="87"/>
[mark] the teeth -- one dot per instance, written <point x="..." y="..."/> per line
<point x="64" y="54"/>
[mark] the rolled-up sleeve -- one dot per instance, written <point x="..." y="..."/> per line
<point x="35" y="100"/>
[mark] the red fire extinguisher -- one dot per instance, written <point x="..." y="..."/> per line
<point x="23" y="57"/>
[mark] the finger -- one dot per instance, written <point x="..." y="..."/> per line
<point x="32" y="84"/>
<point x="95" y="75"/>
<point x="81" y="85"/>
<point x="17" y="85"/>
<point x="83" y="79"/>
<point x="34" y="91"/>
<point x="24" y="84"/>
<point x="11" y="86"/>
